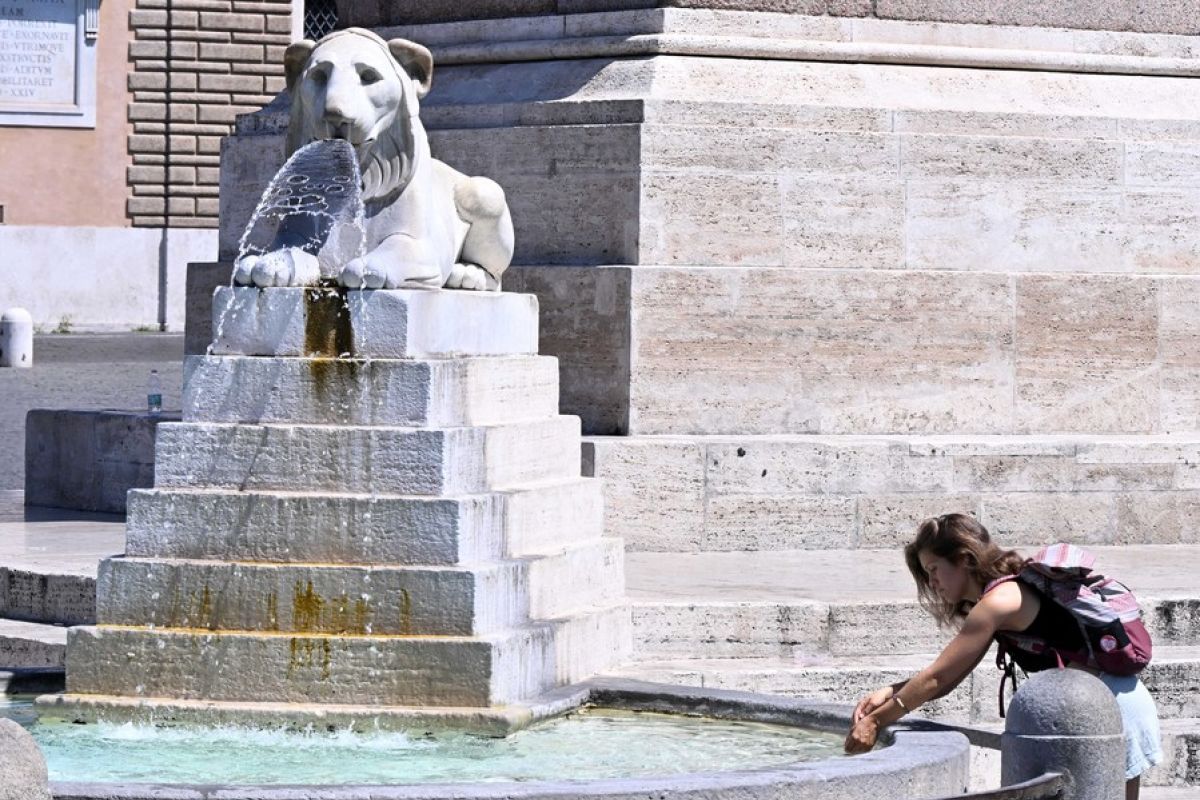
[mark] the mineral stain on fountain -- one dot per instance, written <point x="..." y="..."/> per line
<point x="328" y="332"/>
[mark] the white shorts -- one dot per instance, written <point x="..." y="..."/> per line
<point x="1143" y="747"/>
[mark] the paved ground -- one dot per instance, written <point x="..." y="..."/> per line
<point x="1159" y="571"/>
<point x="54" y="541"/>
<point x="83" y="371"/>
<point x="62" y="542"/>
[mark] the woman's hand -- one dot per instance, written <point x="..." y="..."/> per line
<point x="871" y="702"/>
<point x="863" y="734"/>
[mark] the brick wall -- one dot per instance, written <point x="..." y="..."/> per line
<point x="196" y="64"/>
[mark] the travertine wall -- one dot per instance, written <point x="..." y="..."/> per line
<point x="772" y="492"/>
<point x="196" y="64"/>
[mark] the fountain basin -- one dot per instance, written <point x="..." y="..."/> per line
<point x="913" y="764"/>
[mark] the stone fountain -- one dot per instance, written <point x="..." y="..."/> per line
<point x="372" y="509"/>
<point x="372" y="516"/>
<point x="402" y="534"/>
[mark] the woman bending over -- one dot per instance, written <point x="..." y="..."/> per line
<point x="957" y="568"/>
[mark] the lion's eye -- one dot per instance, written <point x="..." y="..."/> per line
<point x="369" y="76"/>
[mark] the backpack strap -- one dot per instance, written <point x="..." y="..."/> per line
<point x="993" y="584"/>
<point x="1008" y="671"/>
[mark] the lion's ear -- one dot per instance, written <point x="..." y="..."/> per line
<point x="416" y="60"/>
<point x="294" y="59"/>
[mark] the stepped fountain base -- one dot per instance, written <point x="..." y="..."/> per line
<point x="371" y="513"/>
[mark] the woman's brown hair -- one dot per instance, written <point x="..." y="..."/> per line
<point x="958" y="538"/>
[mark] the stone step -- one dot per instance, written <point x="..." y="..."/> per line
<point x="785" y="492"/>
<point x="474" y="600"/>
<point x="1171" y="678"/>
<point x="815" y="603"/>
<point x="386" y="670"/>
<point x="1167" y="792"/>
<point x="1179" y="771"/>
<point x="1180" y="768"/>
<point x="372" y="324"/>
<point x="311" y="599"/>
<point x="42" y="594"/>
<point x="31" y="645"/>
<point x="360" y="528"/>
<point x="798" y="629"/>
<point x="444" y="461"/>
<point x="429" y="393"/>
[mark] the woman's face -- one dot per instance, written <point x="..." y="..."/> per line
<point x="951" y="581"/>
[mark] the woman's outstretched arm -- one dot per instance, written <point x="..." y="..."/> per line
<point x="994" y="612"/>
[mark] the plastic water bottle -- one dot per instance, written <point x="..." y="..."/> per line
<point x="154" y="394"/>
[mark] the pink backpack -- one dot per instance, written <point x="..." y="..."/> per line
<point x="1108" y="614"/>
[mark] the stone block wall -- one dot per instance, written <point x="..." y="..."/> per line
<point x="195" y="65"/>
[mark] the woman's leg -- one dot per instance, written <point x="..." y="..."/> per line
<point x="1140" y="719"/>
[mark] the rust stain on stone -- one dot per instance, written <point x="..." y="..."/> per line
<point x="327" y="329"/>
<point x="361" y="610"/>
<point x="405" y="612"/>
<point x="310" y="653"/>
<point x="306" y="608"/>
<point x="349" y="617"/>
<point x="204" y="610"/>
<point x="173" y="620"/>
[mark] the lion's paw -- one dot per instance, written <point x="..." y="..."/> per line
<point x="291" y="266"/>
<point x="375" y="272"/>
<point x="470" y="276"/>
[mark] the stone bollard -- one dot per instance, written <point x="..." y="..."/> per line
<point x="23" y="773"/>
<point x="16" y="338"/>
<point x="1066" y="721"/>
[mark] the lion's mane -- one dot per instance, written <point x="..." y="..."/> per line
<point x="387" y="162"/>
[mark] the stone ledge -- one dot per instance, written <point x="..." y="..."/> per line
<point x="88" y="460"/>
<point x="992" y="43"/>
<point x="421" y="393"/>
<point x="1171" y="678"/>
<point x="285" y="528"/>
<point x="400" y="323"/>
<point x="393" y="460"/>
<point x="1165" y="16"/>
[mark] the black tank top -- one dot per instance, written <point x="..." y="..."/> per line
<point x="1052" y="630"/>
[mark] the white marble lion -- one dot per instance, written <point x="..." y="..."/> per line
<point x="427" y="225"/>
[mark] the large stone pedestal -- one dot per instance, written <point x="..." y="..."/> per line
<point x="405" y="537"/>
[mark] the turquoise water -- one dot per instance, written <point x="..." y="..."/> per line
<point x="590" y="744"/>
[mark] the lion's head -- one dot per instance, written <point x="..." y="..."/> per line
<point x="353" y="85"/>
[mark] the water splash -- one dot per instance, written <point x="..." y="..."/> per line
<point x="315" y="203"/>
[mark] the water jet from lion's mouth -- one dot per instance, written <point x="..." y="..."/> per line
<point x="314" y="203"/>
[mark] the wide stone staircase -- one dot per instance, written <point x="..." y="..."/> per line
<point x="774" y="564"/>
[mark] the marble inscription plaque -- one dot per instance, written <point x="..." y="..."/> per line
<point x="38" y="54"/>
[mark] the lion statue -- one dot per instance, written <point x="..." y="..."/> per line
<point x="427" y="225"/>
